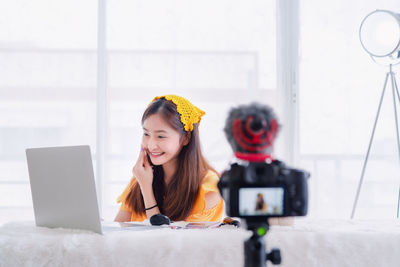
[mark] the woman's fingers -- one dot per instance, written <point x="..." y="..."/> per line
<point x="140" y="161"/>
<point x="146" y="160"/>
<point x="143" y="170"/>
<point x="141" y="157"/>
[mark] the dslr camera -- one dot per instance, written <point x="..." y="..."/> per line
<point x="256" y="186"/>
<point x="256" y="191"/>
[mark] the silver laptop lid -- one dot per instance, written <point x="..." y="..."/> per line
<point x="63" y="187"/>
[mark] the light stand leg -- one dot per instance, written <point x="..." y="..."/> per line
<point x="369" y="147"/>
<point x="396" y="91"/>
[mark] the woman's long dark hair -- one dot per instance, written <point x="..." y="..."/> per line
<point x="176" y="199"/>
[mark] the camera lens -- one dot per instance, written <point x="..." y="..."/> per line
<point x="257" y="124"/>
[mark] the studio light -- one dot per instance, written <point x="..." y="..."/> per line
<point x="380" y="37"/>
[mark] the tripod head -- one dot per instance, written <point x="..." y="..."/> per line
<point x="255" y="248"/>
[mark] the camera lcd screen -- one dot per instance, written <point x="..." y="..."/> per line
<point x="261" y="201"/>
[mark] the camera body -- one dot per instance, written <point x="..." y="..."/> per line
<point x="256" y="191"/>
<point x="257" y="187"/>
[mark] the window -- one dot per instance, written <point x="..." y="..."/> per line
<point x="47" y="88"/>
<point x="340" y="87"/>
<point x="217" y="54"/>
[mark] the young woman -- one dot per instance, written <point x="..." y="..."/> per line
<point x="171" y="176"/>
<point x="260" y="203"/>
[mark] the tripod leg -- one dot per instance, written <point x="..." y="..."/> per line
<point x="396" y="91"/>
<point x="369" y="148"/>
<point x="398" y="203"/>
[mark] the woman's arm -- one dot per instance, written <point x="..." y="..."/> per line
<point x="212" y="199"/>
<point x="123" y="216"/>
<point x="149" y="200"/>
<point x="211" y="211"/>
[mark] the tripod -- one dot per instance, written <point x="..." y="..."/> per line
<point x="395" y="92"/>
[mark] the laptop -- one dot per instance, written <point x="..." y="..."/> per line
<point x="63" y="189"/>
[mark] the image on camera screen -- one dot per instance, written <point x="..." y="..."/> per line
<point x="261" y="201"/>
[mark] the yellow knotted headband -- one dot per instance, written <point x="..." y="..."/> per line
<point x="190" y="114"/>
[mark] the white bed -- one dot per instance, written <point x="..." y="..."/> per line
<point x="321" y="243"/>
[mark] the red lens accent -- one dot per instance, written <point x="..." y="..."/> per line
<point x="253" y="157"/>
<point x="257" y="143"/>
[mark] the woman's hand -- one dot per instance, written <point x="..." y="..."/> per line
<point x="143" y="171"/>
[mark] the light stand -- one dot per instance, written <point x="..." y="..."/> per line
<point x="389" y="52"/>
<point x="395" y="92"/>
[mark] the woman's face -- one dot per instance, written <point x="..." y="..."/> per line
<point x="162" y="142"/>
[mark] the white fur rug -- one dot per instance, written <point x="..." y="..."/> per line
<point x="309" y="243"/>
<point x="23" y="244"/>
<point x="338" y="243"/>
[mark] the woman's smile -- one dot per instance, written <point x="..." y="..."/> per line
<point x="156" y="154"/>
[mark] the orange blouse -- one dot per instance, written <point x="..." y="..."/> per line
<point x="198" y="214"/>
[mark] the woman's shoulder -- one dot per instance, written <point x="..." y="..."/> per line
<point x="208" y="206"/>
<point x="210" y="181"/>
<point x="211" y="174"/>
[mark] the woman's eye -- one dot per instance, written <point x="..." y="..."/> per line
<point x="161" y="136"/>
<point x="145" y="134"/>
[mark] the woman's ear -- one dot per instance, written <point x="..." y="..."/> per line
<point x="186" y="138"/>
